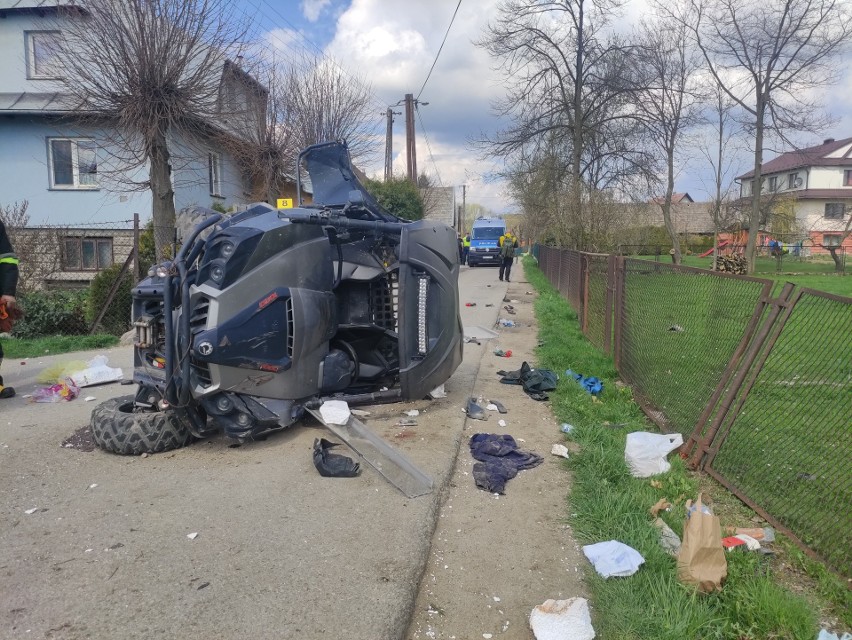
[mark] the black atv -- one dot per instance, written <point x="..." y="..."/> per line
<point x="267" y="313"/>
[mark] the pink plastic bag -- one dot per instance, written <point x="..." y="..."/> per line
<point x="65" y="390"/>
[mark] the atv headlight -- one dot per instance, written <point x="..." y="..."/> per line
<point x="217" y="273"/>
<point x="227" y="250"/>
<point x="422" y="300"/>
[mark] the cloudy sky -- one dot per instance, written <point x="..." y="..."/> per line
<point x="393" y="43"/>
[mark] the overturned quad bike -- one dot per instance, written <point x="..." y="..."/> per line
<point x="267" y="313"/>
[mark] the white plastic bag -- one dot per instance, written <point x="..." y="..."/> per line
<point x="97" y="372"/>
<point x="562" y="620"/>
<point x="646" y="453"/>
<point x="613" y="558"/>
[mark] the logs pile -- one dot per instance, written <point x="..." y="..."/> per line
<point x="732" y="264"/>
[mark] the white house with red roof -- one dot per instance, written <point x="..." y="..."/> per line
<point x="818" y="182"/>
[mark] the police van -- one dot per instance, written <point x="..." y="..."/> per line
<point x="485" y="241"/>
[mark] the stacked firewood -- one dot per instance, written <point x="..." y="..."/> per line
<point x="732" y="264"/>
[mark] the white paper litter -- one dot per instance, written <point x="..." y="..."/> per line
<point x="645" y="453"/>
<point x="491" y="407"/>
<point x="559" y="450"/>
<point x="29" y="512"/>
<point x="98" y="372"/>
<point x="562" y="620"/>
<point x="613" y="558"/>
<point x="93" y="485"/>
<point x="90" y="398"/>
<point x="438" y="392"/>
<point x="502" y="423"/>
<point x="335" y="411"/>
<point x="413" y="413"/>
<point x="751" y="543"/>
<point x="192" y="536"/>
<point x="827" y="635"/>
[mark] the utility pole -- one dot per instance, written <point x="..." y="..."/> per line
<point x="464" y="207"/>
<point x="389" y="145"/>
<point x="410" y="150"/>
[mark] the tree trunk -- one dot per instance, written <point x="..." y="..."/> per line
<point x="577" y="134"/>
<point x="715" y="247"/>
<point x="667" y="207"/>
<point x="838" y="261"/>
<point x="754" y="218"/>
<point x="162" y="196"/>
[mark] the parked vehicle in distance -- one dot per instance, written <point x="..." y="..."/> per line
<point x="484" y="241"/>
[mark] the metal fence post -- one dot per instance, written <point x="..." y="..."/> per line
<point x="618" y="306"/>
<point x="608" y="310"/>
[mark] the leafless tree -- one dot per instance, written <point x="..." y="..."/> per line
<point x="309" y="100"/>
<point x="37" y="248"/>
<point x="770" y="57"/>
<point x="567" y="94"/>
<point x="668" y="99"/>
<point x="719" y="155"/>
<point x="154" y="70"/>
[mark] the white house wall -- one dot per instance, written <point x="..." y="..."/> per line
<point x="828" y="178"/>
<point x="810" y="216"/>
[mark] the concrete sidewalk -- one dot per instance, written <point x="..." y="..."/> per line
<point x="280" y="553"/>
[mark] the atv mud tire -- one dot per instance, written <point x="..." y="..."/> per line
<point x="190" y="217"/>
<point x="117" y="428"/>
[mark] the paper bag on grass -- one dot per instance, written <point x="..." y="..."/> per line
<point x="701" y="561"/>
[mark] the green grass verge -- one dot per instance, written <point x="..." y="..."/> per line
<point x="606" y="502"/>
<point x="814" y="274"/>
<point x="52" y="345"/>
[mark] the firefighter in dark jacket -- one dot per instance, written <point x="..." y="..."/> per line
<point x="8" y="285"/>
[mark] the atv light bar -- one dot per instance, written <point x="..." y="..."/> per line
<point x="422" y="300"/>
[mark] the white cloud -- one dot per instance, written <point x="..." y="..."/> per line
<point x="312" y="9"/>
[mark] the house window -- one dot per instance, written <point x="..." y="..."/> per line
<point x="847" y="178"/>
<point x="831" y="240"/>
<point x="43" y="61"/>
<point x="794" y="181"/>
<point x="215" y="166"/>
<point x="773" y="184"/>
<point x="87" y="254"/>
<point x="835" y="210"/>
<point x="73" y="163"/>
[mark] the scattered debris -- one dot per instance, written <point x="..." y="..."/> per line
<point x="645" y="453"/>
<point x="499" y="406"/>
<point x="192" y="536"/>
<point x="407" y="422"/>
<point x="502" y="423"/>
<point x="93" y="485"/>
<point x="65" y="390"/>
<point x="661" y="505"/>
<point x="562" y="620"/>
<point x="613" y="558"/>
<point x="591" y="384"/>
<point x="81" y="439"/>
<point x="359" y="413"/>
<point x="668" y="538"/>
<point x="676" y="328"/>
<point x="536" y="382"/>
<point x="503" y="354"/>
<point x="438" y="392"/>
<point x="89" y="398"/>
<point x="766" y="534"/>
<point x="474" y="411"/>
<point x="510" y="309"/>
<point x="333" y="465"/>
<point x="144" y="455"/>
<point x="825" y="634"/>
<point x="203" y="585"/>
<point x="499" y="460"/>
<point x="701" y="561"/>
<point x="471" y="340"/>
<point x="335" y="411"/>
<point x="413" y="413"/>
<point x="566" y="428"/>
<point x="741" y="539"/>
<point x="503" y="322"/>
<point x="97" y="371"/>
<point x="29" y="512"/>
<point x="470" y="304"/>
<point x="559" y="450"/>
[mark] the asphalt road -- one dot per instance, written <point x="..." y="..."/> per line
<point x="280" y="552"/>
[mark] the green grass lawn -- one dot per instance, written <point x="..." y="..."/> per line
<point x="813" y="273"/>
<point x="35" y="347"/>
<point x="606" y="502"/>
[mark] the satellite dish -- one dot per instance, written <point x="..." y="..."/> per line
<point x="798" y="182"/>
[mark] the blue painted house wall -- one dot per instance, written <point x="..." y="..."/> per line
<point x="29" y="118"/>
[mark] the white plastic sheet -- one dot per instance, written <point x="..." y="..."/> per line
<point x="562" y="620"/>
<point x="613" y="558"/>
<point x="645" y="453"/>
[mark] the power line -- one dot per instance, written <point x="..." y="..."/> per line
<point x="429" y="147"/>
<point x="438" y="55"/>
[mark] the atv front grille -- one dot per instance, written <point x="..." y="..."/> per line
<point x="197" y="324"/>
<point x="291" y="328"/>
<point x="385" y="301"/>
